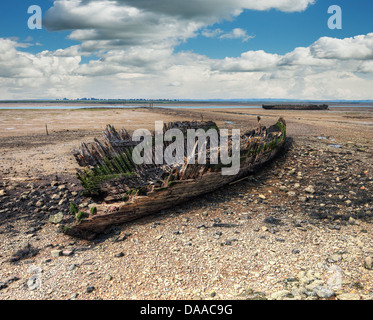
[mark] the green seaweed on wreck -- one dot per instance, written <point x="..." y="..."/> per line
<point x="74" y="208"/>
<point x="80" y="216"/>
<point x="110" y="168"/>
<point x="140" y="191"/>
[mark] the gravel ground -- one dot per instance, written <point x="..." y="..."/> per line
<point x="301" y="228"/>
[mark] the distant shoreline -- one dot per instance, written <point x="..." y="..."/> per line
<point x="178" y="103"/>
<point x="55" y="105"/>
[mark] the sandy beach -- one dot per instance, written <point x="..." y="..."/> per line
<point x="307" y="215"/>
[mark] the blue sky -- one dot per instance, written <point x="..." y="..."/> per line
<point x="274" y="31"/>
<point x="280" y="32"/>
<point x="13" y="23"/>
<point x="196" y="49"/>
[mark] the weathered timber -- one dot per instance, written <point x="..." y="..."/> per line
<point x="134" y="191"/>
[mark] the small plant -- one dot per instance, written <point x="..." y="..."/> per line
<point x="80" y="215"/>
<point x="74" y="208"/>
<point x="93" y="210"/>
<point x="65" y="229"/>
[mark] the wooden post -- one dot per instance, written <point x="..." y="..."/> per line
<point x="46" y="129"/>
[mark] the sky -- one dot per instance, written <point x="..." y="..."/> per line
<point x="195" y="49"/>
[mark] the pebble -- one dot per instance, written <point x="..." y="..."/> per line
<point x="39" y="203"/>
<point x="279" y="295"/>
<point x="212" y="294"/>
<point x="74" y="296"/>
<point x="90" y="289"/>
<point x="334" y="258"/>
<point x="34" y="282"/>
<point x="72" y="267"/>
<point x="119" y="255"/>
<point x="323" y="292"/>
<point x="310" y="189"/>
<point x="56" y="253"/>
<point x="56" y="218"/>
<point x="67" y="253"/>
<point x="368" y="263"/>
<point x="348" y="296"/>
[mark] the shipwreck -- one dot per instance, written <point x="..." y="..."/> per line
<point x="128" y="191"/>
<point x="296" y="107"/>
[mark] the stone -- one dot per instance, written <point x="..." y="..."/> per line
<point x="262" y="196"/>
<point x="33" y="282"/>
<point x="72" y="267"/>
<point x="348" y="296"/>
<point x="119" y="255"/>
<point x="323" y="292"/>
<point x="368" y="263"/>
<point x="2" y="193"/>
<point x="108" y="277"/>
<point x="272" y="220"/>
<point x="3" y="285"/>
<point x="67" y="253"/>
<point x="74" y="296"/>
<point x="55" y="196"/>
<point x="212" y="294"/>
<point x="56" y="253"/>
<point x="90" y="289"/>
<point x="56" y="218"/>
<point x="334" y="258"/>
<point x="309" y="189"/>
<point x="314" y="284"/>
<point x="39" y="203"/>
<point x="279" y="295"/>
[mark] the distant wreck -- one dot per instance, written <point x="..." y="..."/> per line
<point x="296" y="107"/>
<point x="130" y="191"/>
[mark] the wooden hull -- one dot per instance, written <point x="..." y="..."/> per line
<point x="163" y="198"/>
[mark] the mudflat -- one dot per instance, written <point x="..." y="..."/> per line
<point x="303" y="219"/>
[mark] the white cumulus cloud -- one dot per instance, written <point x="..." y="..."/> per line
<point x="134" y="42"/>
